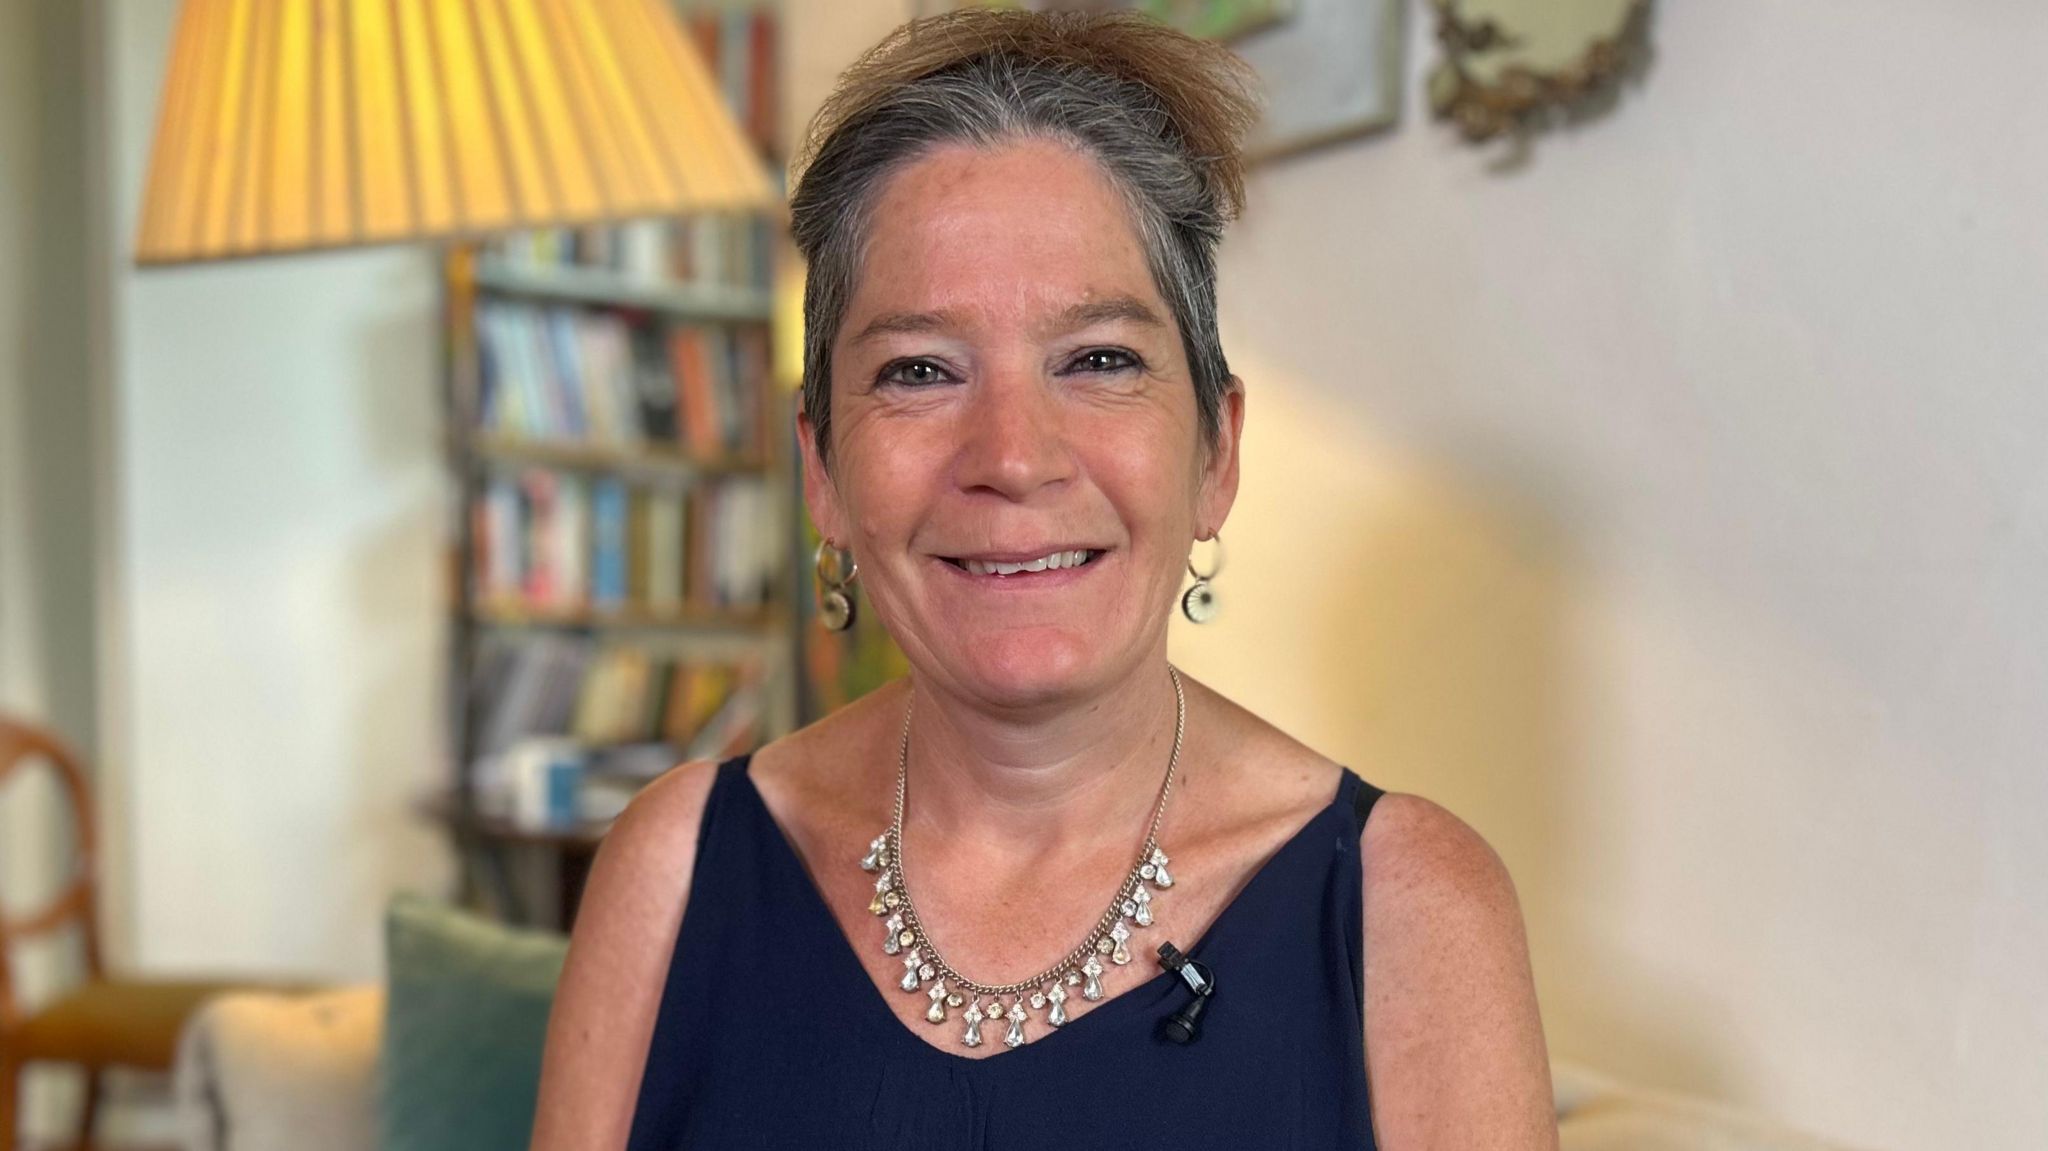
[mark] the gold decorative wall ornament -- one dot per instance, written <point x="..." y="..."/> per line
<point x="1509" y="66"/>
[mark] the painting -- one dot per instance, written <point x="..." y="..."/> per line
<point x="1331" y="69"/>
<point x="1218" y="19"/>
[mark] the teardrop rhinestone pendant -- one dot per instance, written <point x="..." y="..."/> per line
<point x="972" y="1037"/>
<point x="1082" y="969"/>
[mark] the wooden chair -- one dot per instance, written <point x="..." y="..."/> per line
<point x="102" y="1022"/>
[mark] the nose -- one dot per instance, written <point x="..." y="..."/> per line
<point x="1014" y="439"/>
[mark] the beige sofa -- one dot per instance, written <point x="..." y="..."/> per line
<point x="269" y="1072"/>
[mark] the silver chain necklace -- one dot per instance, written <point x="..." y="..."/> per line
<point x="1046" y="991"/>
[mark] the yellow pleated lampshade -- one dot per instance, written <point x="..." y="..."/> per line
<point x="289" y="125"/>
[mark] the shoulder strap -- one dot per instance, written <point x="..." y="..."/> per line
<point x="725" y="788"/>
<point x="1362" y="801"/>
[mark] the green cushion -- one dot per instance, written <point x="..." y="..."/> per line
<point x="463" y="1028"/>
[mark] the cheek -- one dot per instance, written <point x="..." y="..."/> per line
<point x="886" y="475"/>
<point x="1147" y="470"/>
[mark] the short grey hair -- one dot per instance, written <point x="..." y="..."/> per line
<point x="1162" y="113"/>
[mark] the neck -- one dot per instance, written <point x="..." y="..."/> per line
<point x="1024" y="786"/>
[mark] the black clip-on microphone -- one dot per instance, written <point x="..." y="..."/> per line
<point x="1184" y="1025"/>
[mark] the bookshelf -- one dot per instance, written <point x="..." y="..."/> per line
<point x="625" y="522"/>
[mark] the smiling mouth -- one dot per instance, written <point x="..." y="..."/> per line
<point x="1054" y="561"/>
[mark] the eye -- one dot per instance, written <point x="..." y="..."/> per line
<point x="1106" y="361"/>
<point x="911" y="373"/>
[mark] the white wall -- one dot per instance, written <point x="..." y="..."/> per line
<point x="1673" y="508"/>
<point x="282" y="519"/>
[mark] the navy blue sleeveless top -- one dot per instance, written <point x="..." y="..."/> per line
<point x="771" y="1034"/>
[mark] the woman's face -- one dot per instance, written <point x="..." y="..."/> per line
<point x="1008" y="386"/>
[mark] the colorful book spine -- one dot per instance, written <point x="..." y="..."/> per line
<point x="537" y="545"/>
<point x="608" y="509"/>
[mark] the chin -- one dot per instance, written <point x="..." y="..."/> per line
<point x="1025" y="668"/>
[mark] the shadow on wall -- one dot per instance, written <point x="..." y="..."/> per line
<point x="1421" y="631"/>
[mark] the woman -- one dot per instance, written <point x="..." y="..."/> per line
<point x="935" y="918"/>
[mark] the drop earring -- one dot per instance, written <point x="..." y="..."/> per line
<point x="836" y="571"/>
<point x="1199" y="603"/>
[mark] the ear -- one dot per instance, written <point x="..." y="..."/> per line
<point x="820" y="494"/>
<point x="1219" y="472"/>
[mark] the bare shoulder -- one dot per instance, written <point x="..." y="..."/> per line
<point x="610" y="990"/>
<point x="1454" y="1041"/>
<point x="1416" y="852"/>
<point x="659" y="828"/>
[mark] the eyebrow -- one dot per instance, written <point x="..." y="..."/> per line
<point x="1127" y="308"/>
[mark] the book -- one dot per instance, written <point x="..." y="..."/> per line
<point x="608" y="512"/>
<point x="654" y="385"/>
<point x="664" y="556"/>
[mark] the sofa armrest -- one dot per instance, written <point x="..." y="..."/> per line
<point x="1598" y="1113"/>
<point x="265" y="1071"/>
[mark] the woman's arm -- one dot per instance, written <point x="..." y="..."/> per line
<point x="603" y="1016"/>
<point x="1454" y="1045"/>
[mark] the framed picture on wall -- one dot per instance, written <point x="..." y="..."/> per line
<point x="1218" y="19"/>
<point x="1331" y="69"/>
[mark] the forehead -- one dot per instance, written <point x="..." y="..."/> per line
<point x="1007" y="232"/>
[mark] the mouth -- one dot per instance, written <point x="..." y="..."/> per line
<point x="1012" y="566"/>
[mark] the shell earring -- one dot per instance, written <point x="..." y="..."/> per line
<point x="836" y="571"/>
<point x="1199" y="603"/>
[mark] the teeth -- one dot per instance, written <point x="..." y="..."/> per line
<point x="1053" y="562"/>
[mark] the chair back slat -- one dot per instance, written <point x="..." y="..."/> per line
<point x="23" y="744"/>
<point x="75" y="903"/>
